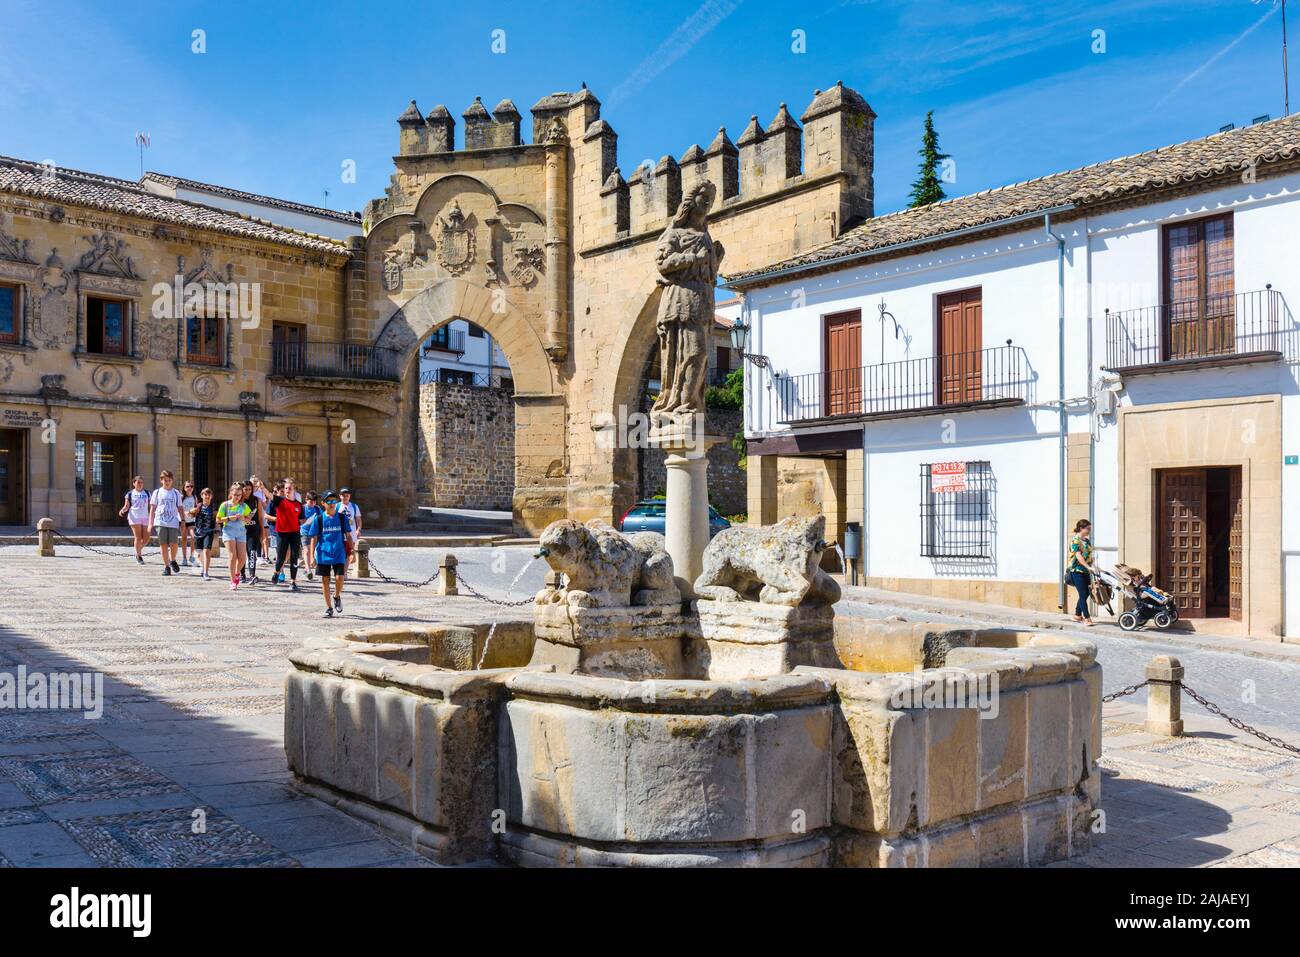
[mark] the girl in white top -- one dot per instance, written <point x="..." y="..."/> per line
<point x="136" y="509"/>
<point x="189" y="502"/>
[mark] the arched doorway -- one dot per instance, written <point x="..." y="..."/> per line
<point x="540" y="445"/>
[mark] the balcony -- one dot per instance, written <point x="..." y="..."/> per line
<point x="334" y="360"/>
<point x="1226" y="329"/>
<point x="988" y="378"/>
<point x="446" y="340"/>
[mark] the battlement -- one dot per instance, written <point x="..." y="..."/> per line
<point x="835" y="139"/>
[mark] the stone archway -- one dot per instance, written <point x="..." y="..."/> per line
<point x="540" y="437"/>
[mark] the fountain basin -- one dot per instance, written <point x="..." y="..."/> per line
<point x="824" y="766"/>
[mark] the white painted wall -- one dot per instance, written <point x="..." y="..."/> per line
<point x="1112" y="262"/>
<point x="482" y="357"/>
<point x="292" y="219"/>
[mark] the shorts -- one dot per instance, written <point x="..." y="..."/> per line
<point x="325" y="571"/>
<point x="233" y="532"/>
<point x="167" y="535"/>
<point x="203" y="542"/>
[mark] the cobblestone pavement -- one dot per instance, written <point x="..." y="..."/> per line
<point x="193" y="721"/>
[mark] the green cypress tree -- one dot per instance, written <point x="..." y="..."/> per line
<point x="928" y="189"/>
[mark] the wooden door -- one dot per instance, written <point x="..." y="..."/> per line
<point x="843" y="364"/>
<point x="297" y="462"/>
<point x="1200" y="310"/>
<point x="13" y="476"/>
<point x="103" y="464"/>
<point x="1235" y="544"/>
<point x="960" y="373"/>
<point x="1183" y="557"/>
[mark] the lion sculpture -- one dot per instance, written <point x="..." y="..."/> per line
<point x="605" y="568"/>
<point x="776" y="564"/>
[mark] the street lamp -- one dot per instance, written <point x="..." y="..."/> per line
<point x="740" y="342"/>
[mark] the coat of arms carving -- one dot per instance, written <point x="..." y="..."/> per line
<point x="527" y="264"/>
<point x="456" y="250"/>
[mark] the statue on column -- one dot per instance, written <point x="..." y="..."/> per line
<point x="688" y="259"/>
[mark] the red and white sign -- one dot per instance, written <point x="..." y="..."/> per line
<point x="948" y="477"/>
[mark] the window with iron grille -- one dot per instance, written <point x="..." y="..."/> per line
<point x="957" y="509"/>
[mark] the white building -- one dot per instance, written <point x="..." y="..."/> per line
<point x="461" y="353"/>
<point x="968" y="379"/>
<point x="336" y="224"/>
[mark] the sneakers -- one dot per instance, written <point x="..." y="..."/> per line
<point x="293" y="586"/>
<point x="329" y="612"/>
<point x="176" y="568"/>
<point x="203" y="576"/>
<point x="139" y="560"/>
<point x="166" y="571"/>
<point x="234" y="584"/>
<point x="338" y="604"/>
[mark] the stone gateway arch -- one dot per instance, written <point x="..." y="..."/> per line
<point x="550" y="249"/>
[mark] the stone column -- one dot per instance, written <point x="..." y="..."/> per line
<point x="363" y="558"/>
<point x="447" y="575"/>
<point x="686" y="519"/>
<point x="556" y="141"/>
<point x="1164" y="696"/>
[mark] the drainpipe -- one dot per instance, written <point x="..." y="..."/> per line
<point x="1060" y="381"/>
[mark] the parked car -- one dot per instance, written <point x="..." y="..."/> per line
<point x="648" y="516"/>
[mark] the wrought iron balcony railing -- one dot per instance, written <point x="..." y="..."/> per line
<point x="1000" y="375"/>
<point x="334" y="360"/>
<point x="1210" y="327"/>
<point x="446" y="340"/>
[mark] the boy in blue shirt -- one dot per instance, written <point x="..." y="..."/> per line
<point x="332" y="529"/>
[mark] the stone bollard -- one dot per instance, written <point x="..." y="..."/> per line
<point x="1164" y="696"/>
<point x="45" y="538"/>
<point x="447" y="575"/>
<point x="363" y="558"/>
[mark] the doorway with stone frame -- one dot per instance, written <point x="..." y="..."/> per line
<point x="1199" y="533"/>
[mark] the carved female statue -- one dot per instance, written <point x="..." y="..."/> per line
<point x="688" y="260"/>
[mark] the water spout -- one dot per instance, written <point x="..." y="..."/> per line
<point x="487" y="642"/>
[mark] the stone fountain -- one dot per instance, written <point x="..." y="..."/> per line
<point x="686" y="702"/>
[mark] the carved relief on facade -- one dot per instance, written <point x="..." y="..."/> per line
<point x="12" y="248"/>
<point x="107" y="257"/>
<point x="52" y="325"/>
<point x="107" y="379"/>
<point x="456" y="241"/>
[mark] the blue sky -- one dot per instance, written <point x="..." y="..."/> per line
<point x="287" y="91"/>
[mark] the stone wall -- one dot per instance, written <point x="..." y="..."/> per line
<point x="467" y="446"/>
<point x="727" y="481"/>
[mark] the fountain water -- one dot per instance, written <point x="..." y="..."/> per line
<point x="496" y="618"/>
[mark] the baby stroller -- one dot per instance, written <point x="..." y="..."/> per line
<point x="1149" y="602"/>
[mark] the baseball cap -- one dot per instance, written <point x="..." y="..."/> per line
<point x="329" y="494"/>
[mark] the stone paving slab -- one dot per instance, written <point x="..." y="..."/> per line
<point x="193" y="719"/>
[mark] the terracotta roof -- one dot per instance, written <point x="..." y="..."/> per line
<point x="1129" y="178"/>
<point x="92" y="190"/>
<point x="341" y="215"/>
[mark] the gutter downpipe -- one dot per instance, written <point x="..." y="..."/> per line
<point x="1060" y="381"/>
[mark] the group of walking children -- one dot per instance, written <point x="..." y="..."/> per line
<point x="279" y="525"/>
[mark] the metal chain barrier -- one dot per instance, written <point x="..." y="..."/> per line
<point x="1214" y="709"/>
<point x="504" y="602"/>
<point x="1237" y="722"/>
<point x="60" y="538"/>
<point x="1122" y="692"/>
<point x="397" y="581"/>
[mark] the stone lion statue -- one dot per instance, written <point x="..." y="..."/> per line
<point x="777" y="564"/>
<point x="605" y="568"/>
